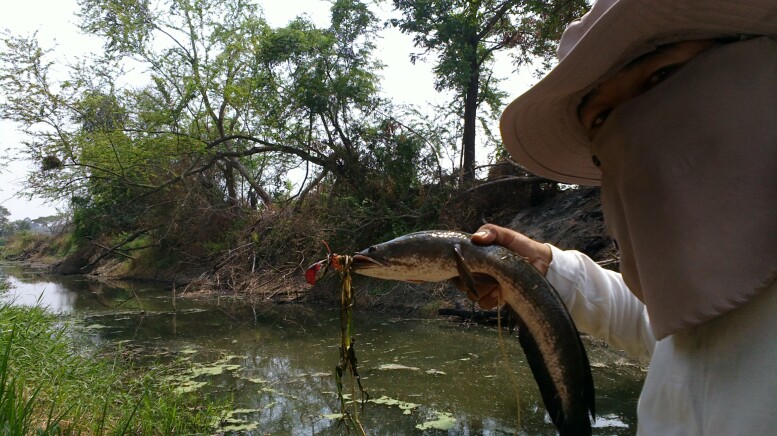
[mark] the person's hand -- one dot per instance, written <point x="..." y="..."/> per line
<point x="537" y="253"/>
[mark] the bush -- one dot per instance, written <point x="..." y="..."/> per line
<point x="22" y="245"/>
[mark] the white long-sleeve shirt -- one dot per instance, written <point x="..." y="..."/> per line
<point x="718" y="378"/>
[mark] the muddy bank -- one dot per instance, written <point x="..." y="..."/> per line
<point x="571" y="219"/>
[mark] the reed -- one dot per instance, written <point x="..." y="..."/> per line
<point x="48" y="385"/>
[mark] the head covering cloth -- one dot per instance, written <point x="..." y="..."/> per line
<point x="688" y="169"/>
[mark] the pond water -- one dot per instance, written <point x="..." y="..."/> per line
<point x="275" y="363"/>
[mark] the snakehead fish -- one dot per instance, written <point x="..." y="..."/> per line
<point x="547" y="334"/>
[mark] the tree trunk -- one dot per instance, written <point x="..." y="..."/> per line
<point x="470" y="122"/>
<point x="229" y="181"/>
<point x="264" y="195"/>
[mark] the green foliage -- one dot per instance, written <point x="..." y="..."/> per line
<point x="462" y="31"/>
<point x="10" y="228"/>
<point x="465" y="35"/>
<point x="232" y="108"/>
<point x="16" y="411"/>
<point x="4" y="222"/>
<point x="47" y="387"/>
<point x="22" y="244"/>
<point x="61" y="246"/>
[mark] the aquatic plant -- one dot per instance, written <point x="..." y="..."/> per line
<point x="48" y="386"/>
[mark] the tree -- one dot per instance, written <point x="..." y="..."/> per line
<point x="228" y="108"/>
<point x="4" y="222"/>
<point x="19" y="226"/>
<point x="465" y="34"/>
<point x="53" y="223"/>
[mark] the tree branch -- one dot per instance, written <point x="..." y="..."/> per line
<point x="500" y="12"/>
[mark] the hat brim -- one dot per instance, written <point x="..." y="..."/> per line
<point x="540" y="129"/>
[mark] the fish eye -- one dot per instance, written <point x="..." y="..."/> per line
<point x="372" y="249"/>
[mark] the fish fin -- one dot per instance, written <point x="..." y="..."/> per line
<point x="464" y="273"/>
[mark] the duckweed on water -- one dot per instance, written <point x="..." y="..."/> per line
<point x="230" y="423"/>
<point x="257" y="380"/>
<point x="396" y="366"/>
<point x="441" y="421"/>
<point x="186" y="382"/>
<point x="189" y="386"/>
<point x="217" y="368"/>
<point x="406" y="407"/>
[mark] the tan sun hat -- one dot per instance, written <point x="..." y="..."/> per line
<point x="540" y="129"/>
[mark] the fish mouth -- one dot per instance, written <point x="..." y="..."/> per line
<point x="360" y="261"/>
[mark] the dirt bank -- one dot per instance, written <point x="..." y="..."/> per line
<point x="570" y="219"/>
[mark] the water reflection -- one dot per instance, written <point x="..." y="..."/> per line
<point x="277" y="362"/>
<point x="28" y="292"/>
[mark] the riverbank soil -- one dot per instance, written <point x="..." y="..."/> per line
<point x="567" y="218"/>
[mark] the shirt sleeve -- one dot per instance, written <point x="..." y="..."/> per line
<point x="601" y="304"/>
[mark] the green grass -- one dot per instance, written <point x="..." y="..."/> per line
<point x="47" y="386"/>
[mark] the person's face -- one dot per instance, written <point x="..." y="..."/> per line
<point x="634" y="79"/>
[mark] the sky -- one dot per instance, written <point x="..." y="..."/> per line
<point x="56" y="24"/>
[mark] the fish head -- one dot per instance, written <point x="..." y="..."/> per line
<point x="411" y="258"/>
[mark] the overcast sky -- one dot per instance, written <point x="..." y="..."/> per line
<point x="55" y="22"/>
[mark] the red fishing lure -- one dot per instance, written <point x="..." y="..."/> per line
<point x="314" y="272"/>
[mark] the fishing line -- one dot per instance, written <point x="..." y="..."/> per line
<point x="348" y="362"/>
<point x="347" y="353"/>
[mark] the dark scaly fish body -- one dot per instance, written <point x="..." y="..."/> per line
<point x="546" y="333"/>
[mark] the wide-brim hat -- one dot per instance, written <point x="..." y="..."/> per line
<point x="541" y="130"/>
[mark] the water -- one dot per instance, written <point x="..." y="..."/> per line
<point x="276" y="362"/>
